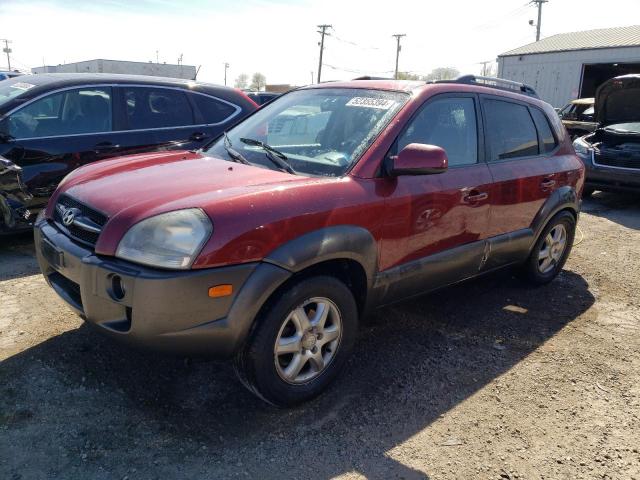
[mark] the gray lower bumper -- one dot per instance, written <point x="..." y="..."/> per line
<point x="163" y="310"/>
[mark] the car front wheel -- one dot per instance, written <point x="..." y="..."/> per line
<point x="300" y="342"/>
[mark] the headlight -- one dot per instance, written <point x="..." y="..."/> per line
<point x="169" y="240"/>
<point x="582" y="148"/>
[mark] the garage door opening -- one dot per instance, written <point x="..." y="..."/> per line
<point x="595" y="75"/>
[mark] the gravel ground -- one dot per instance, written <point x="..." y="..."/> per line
<point x="488" y="379"/>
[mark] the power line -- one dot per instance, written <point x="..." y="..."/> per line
<point x="364" y="47"/>
<point x="322" y="32"/>
<point x="398" y="36"/>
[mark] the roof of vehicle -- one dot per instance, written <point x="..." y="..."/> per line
<point x="46" y="82"/>
<point x="584" y="40"/>
<point x="486" y="84"/>
<point x="391" y="85"/>
<point x="64" y="79"/>
<point x="583" y="101"/>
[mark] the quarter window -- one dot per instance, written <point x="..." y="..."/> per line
<point x="549" y="142"/>
<point x="449" y="123"/>
<point x="212" y="109"/>
<point x="72" y="112"/>
<point x="156" y="108"/>
<point x="510" y="130"/>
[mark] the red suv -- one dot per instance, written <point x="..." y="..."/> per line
<point x="269" y="245"/>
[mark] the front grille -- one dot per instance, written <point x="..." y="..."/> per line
<point x="74" y="230"/>
<point x="618" y="161"/>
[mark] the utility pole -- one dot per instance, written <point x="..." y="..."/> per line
<point x="398" y="48"/>
<point x="322" y="32"/>
<point x="226" y="66"/>
<point x="7" y="50"/>
<point x="485" y="70"/>
<point x="539" y="4"/>
<point x="312" y="76"/>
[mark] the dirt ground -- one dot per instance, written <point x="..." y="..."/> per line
<point x="489" y="379"/>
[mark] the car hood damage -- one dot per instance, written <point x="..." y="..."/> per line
<point x="14" y="197"/>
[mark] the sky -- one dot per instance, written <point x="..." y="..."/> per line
<point x="279" y="38"/>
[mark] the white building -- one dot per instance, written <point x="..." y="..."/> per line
<point x="120" y="66"/>
<point x="572" y="65"/>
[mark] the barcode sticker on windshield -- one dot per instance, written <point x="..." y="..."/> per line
<point x="368" y="102"/>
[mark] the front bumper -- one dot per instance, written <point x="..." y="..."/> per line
<point x="159" y="309"/>
<point x="604" y="177"/>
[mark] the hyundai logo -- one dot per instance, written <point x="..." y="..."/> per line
<point x="69" y="216"/>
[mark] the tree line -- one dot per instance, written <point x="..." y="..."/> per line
<point x="258" y="81"/>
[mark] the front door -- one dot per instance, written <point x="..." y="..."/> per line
<point x="432" y="217"/>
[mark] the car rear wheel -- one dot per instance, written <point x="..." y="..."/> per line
<point x="552" y="249"/>
<point x="300" y="342"/>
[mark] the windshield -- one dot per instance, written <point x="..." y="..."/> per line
<point x="9" y="90"/>
<point x="320" y="131"/>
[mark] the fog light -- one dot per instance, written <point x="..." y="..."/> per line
<point x="221" y="291"/>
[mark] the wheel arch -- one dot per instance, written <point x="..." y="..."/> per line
<point x="564" y="198"/>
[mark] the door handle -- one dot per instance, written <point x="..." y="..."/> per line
<point x="547" y="183"/>
<point x="105" y="147"/>
<point x="475" y="196"/>
<point x="198" y="136"/>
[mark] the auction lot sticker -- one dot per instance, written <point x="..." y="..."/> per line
<point x="369" y="102"/>
<point x="22" y="86"/>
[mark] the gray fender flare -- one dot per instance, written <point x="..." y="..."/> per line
<point x="563" y="198"/>
<point x="331" y="243"/>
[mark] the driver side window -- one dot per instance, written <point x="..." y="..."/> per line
<point x="72" y="112"/>
<point x="449" y="123"/>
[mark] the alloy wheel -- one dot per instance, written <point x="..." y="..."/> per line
<point x="308" y="340"/>
<point x="552" y="248"/>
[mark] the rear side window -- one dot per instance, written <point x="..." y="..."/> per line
<point x="510" y="130"/>
<point x="549" y="142"/>
<point x="156" y="108"/>
<point x="212" y="109"/>
<point x="71" y="112"/>
<point x="449" y="123"/>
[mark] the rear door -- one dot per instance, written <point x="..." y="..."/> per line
<point x="521" y="162"/>
<point x="432" y="215"/>
<point x="56" y="133"/>
<point x="150" y="118"/>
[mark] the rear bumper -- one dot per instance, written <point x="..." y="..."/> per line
<point x="158" y="309"/>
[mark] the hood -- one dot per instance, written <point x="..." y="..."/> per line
<point x="164" y="181"/>
<point x="618" y="100"/>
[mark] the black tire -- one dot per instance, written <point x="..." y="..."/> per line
<point x="587" y="192"/>
<point x="531" y="270"/>
<point x="255" y="364"/>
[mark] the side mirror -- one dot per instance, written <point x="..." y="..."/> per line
<point x="418" y="159"/>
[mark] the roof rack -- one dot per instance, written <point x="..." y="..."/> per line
<point x="369" y="77"/>
<point x="493" y="82"/>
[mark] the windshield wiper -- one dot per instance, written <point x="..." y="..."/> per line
<point x="276" y="156"/>
<point x="233" y="153"/>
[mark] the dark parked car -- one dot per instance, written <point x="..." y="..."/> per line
<point x="269" y="247"/>
<point x="51" y="124"/>
<point x="6" y="74"/>
<point x="262" y="97"/>
<point x="578" y="117"/>
<point x="612" y="153"/>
